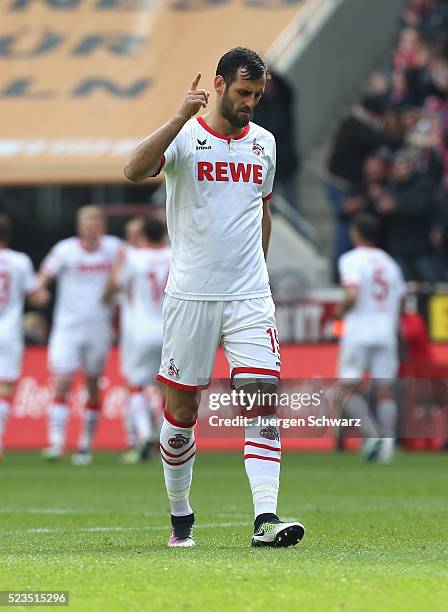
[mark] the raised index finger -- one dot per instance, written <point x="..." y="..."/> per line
<point x="196" y="81"/>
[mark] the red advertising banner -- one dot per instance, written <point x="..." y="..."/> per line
<point x="26" y="427"/>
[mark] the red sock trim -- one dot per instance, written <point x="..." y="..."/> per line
<point x="180" y="462"/>
<point x="136" y="389"/>
<point x="173" y="421"/>
<point x="92" y="405"/>
<point x="59" y="400"/>
<point x="266" y="446"/>
<point x="262" y="458"/>
<point x="259" y="411"/>
<point x="180" y="454"/>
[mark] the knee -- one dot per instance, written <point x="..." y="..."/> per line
<point x="6" y="389"/>
<point x="92" y="389"/>
<point x="62" y="387"/>
<point x="184" y="409"/>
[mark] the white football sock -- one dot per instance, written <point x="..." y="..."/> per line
<point x="90" y="422"/>
<point x="139" y="410"/>
<point x="5" y="406"/>
<point x="58" y="414"/>
<point x="356" y="407"/>
<point x="262" y="457"/>
<point x="387" y="414"/>
<point x="178" y="449"/>
<point x="131" y="432"/>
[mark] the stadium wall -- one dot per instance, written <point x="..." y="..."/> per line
<point x="326" y="59"/>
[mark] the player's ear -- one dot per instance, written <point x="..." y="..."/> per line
<point x="219" y="84"/>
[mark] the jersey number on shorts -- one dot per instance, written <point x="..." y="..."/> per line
<point x="380" y="285"/>
<point x="5" y="288"/>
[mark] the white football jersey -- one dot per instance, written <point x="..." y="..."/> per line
<point x="17" y="278"/>
<point x="143" y="278"/>
<point x="215" y="191"/>
<point x="374" y="317"/>
<point x="81" y="279"/>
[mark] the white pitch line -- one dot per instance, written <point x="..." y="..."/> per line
<point x="116" y="529"/>
<point x="77" y="511"/>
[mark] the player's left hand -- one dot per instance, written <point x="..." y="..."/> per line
<point x="40" y="298"/>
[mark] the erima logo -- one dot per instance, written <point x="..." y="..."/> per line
<point x="202" y="144"/>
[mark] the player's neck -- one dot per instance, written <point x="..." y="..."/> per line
<point x="221" y="125"/>
<point x="366" y="245"/>
<point x="90" y="244"/>
<point x="148" y="244"/>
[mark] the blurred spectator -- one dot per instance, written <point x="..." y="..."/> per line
<point x="413" y="89"/>
<point x="275" y="112"/>
<point x="411" y="52"/>
<point x="398" y="93"/>
<point x="361" y="133"/>
<point x="409" y="213"/>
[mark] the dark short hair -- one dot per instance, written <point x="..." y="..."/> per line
<point x="374" y="103"/>
<point x="154" y="229"/>
<point x="251" y="64"/>
<point x="5" y="229"/>
<point x="367" y="226"/>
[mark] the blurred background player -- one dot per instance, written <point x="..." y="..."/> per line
<point x="374" y="289"/>
<point x="81" y="332"/>
<point x="141" y="273"/>
<point x="17" y="282"/>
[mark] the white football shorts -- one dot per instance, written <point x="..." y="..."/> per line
<point x="11" y="355"/>
<point x="140" y="359"/>
<point x="193" y="330"/>
<point x="355" y="359"/>
<point x="71" y="348"/>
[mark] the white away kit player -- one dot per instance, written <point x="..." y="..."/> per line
<point x="219" y="176"/>
<point x="81" y="333"/>
<point x="17" y="283"/>
<point x="140" y="273"/>
<point x="374" y="290"/>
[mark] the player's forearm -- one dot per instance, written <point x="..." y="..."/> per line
<point x="109" y="292"/>
<point x="266" y="228"/>
<point x="145" y="159"/>
<point x="43" y="280"/>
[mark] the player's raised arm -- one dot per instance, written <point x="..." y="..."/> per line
<point x="145" y="160"/>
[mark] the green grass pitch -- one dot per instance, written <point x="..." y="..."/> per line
<point x="376" y="535"/>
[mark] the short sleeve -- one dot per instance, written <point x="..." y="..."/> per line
<point x="30" y="279"/>
<point x="349" y="271"/>
<point x="268" y="184"/>
<point x="54" y="261"/>
<point x="125" y="269"/>
<point x="176" y="151"/>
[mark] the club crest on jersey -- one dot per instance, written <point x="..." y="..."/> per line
<point x="270" y="433"/>
<point x="178" y="441"/>
<point x="173" y="370"/>
<point x="202" y="144"/>
<point x="257" y="149"/>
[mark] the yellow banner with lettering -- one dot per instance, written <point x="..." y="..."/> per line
<point x="81" y="81"/>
